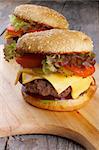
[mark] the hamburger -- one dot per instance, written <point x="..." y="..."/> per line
<point x="57" y="69"/>
<point x="30" y="18"/>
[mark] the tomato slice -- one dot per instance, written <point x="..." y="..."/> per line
<point x="30" y="60"/>
<point x="83" y="72"/>
<point x="12" y="31"/>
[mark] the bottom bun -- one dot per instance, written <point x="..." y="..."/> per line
<point x="61" y="105"/>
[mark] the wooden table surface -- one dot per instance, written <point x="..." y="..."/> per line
<point x="82" y="15"/>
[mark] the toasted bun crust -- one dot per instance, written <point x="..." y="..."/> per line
<point x="62" y="105"/>
<point x="41" y="14"/>
<point x="55" y="41"/>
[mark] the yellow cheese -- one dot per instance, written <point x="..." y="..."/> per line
<point x="60" y="82"/>
<point x="28" y="78"/>
<point x="78" y="84"/>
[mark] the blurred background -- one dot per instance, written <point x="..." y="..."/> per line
<point x="82" y="15"/>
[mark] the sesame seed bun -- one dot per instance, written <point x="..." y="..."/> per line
<point x="55" y="41"/>
<point x="62" y="105"/>
<point x="41" y="14"/>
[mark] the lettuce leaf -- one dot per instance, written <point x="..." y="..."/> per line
<point x="51" y="64"/>
<point x="9" y="51"/>
<point x="18" y="23"/>
<point x="48" y="65"/>
<point x="92" y="55"/>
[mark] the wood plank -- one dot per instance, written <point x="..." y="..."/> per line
<point x="40" y="142"/>
<point x="3" y="143"/>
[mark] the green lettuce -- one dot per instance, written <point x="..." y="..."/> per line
<point x="51" y="64"/>
<point x="18" y="23"/>
<point x="9" y="51"/>
<point x="47" y="101"/>
<point x="48" y="65"/>
<point x="92" y="55"/>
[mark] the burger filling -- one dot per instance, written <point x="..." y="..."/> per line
<point x="81" y="64"/>
<point x="56" y="77"/>
<point x="18" y="28"/>
<point x="43" y="89"/>
<point x="53" y="86"/>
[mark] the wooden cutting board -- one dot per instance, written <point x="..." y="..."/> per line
<point x="18" y="117"/>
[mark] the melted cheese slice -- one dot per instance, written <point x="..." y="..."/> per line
<point x="78" y="84"/>
<point x="61" y="82"/>
<point x="26" y="78"/>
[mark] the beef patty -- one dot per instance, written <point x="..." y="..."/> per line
<point x="74" y="59"/>
<point x="79" y="59"/>
<point x="43" y="88"/>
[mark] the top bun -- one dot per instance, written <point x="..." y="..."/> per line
<point x="55" y="41"/>
<point x="41" y="14"/>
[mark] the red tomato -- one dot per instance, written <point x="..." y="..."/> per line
<point x="30" y="60"/>
<point x="11" y="30"/>
<point x="83" y="72"/>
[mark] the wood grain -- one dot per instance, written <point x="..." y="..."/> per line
<point x="82" y="15"/>
<point x="40" y="142"/>
<point x="18" y="117"/>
